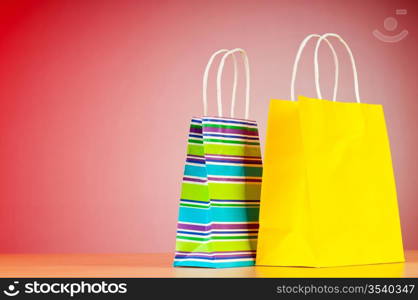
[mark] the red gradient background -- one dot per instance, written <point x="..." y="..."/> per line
<point x="96" y="97"/>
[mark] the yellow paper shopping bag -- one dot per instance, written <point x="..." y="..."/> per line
<point x="328" y="196"/>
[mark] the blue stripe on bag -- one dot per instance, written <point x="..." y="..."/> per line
<point x="195" y="171"/>
<point x="209" y="264"/>
<point x="219" y="214"/>
<point x="234" y="170"/>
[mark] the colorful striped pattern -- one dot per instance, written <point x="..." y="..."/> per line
<point x="219" y="205"/>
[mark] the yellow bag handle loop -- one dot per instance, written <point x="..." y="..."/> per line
<point x="247" y="75"/>
<point x="205" y="82"/>
<point x="296" y="63"/>
<point x="353" y="64"/>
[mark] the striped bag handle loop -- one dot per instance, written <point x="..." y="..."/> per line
<point x="205" y="82"/>
<point x="247" y="87"/>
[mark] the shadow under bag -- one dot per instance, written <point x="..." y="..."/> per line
<point x="219" y="205"/>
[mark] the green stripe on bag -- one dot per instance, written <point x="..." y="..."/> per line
<point x="194" y="191"/>
<point x="240" y="150"/>
<point x="225" y="191"/>
<point x="195" y="149"/>
<point x="216" y="246"/>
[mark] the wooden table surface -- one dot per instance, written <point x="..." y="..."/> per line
<point x="159" y="265"/>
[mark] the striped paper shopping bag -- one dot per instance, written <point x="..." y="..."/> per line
<point x="219" y="205"/>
